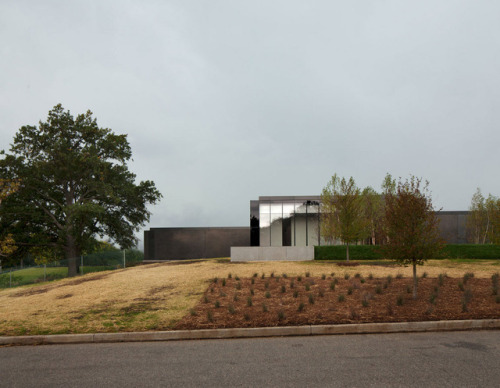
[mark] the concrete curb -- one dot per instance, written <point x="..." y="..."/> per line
<point x="363" y="328"/>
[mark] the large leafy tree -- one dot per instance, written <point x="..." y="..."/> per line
<point x="342" y="214"/>
<point x="411" y="225"/>
<point x="74" y="185"/>
<point x="7" y="243"/>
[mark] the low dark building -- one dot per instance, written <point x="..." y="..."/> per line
<point x="274" y="221"/>
<point x="193" y="243"/>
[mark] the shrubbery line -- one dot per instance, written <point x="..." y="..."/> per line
<point x="370" y="252"/>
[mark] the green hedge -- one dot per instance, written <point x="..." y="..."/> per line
<point x="370" y="252"/>
<point x="472" y="251"/>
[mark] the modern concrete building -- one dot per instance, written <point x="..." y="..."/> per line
<point x="275" y="221"/>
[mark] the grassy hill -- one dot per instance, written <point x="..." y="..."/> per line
<point x="156" y="296"/>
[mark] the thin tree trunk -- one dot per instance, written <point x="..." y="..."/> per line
<point x="347" y="252"/>
<point x="72" y="256"/>
<point x="415" y="281"/>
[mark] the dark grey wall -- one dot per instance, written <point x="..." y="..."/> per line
<point x="193" y="243"/>
<point x="452" y="226"/>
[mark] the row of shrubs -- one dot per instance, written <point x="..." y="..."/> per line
<point x="372" y="252"/>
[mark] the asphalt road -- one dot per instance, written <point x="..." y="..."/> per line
<point x="453" y="359"/>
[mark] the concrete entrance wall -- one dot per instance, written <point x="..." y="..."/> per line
<point x="272" y="253"/>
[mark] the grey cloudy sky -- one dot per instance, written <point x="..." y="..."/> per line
<point x="224" y="101"/>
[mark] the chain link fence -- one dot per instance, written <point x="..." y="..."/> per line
<point x="29" y="273"/>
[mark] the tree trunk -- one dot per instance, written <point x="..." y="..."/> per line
<point x="72" y="255"/>
<point x="347" y="251"/>
<point x="415" y="281"/>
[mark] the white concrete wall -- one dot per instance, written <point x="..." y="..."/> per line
<point x="272" y="253"/>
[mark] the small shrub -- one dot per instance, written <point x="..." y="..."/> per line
<point x="192" y="312"/>
<point x="229" y="276"/>
<point x="263" y="275"/>
<point x="210" y="316"/>
<point x="432" y="298"/>
<point x="354" y="315"/>
<point x="332" y="274"/>
<point x="266" y="285"/>
<point x="217" y="304"/>
<point x="264" y="308"/>
<point x="366" y="299"/>
<point x="252" y="292"/>
<point x="283" y="289"/>
<point x="212" y="290"/>
<point x="346" y="276"/>
<point x="341" y="298"/>
<point x="231" y="310"/>
<point x="441" y="279"/>
<point x="222" y="294"/>
<point x="292" y="284"/>
<point x="436" y="289"/>
<point x="362" y="280"/>
<point x="385" y="285"/>
<point x="365" y="303"/>
<point x="323" y="277"/>
<point x="321" y="292"/>
<point x="308" y="274"/>
<point x="308" y="287"/>
<point x="370" y="276"/>
<point x="235" y="297"/>
<point x="285" y="276"/>
<point x="332" y="286"/>
<point x="246" y="317"/>
<point x="272" y="274"/>
<point x="399" y="276"/>
<point x="424" y="275"/>
<point x="255" y="274"/>
<point x="238" y="286"/>
<point x="281" y="315"/>
<point x="237" y="278"/>
<point x="349" y="290"/>
<point x="299" y="278"/>
<point x="223" y="282"/>
<point x="460" y="286"/>
<point x="378" y="290"/>
<point x="408" y="289"/>
<point x="311" y="299"/>
<point x="301" y="307"/>
<point x="249" y="301"/>
<point x="357" y="275"/>
<point x="267" y="294"/>
<point x="295" y="294"/>
<point x="205" y="299"/>
<point x="252" y="281"/>
<point x="400" y="301"/>
<point x="467" y="276"/>
<point x="390" y="309"/>
<point x="389" y="279"/>
<point x="215" y="280"/>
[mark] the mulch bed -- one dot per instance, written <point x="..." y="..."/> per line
<point x="226" y="303"/>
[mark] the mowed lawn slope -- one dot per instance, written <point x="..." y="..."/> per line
<point x="157" y="296"/>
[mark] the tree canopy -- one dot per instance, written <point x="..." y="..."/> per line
<point x="73" y="185"/>
<point x="411" y="225"/>
<point x="342" y="214"/>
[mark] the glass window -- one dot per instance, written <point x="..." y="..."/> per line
<point x="288" y="209"/>
<point x="276" y="230"/>
<point x="300" y="207"/>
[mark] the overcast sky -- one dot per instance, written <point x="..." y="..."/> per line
<point x="224" y="101"/>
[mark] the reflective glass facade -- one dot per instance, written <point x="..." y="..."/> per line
<point x="285" y="221"/>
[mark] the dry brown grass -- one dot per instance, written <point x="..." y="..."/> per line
<point x="156" y="296"/>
